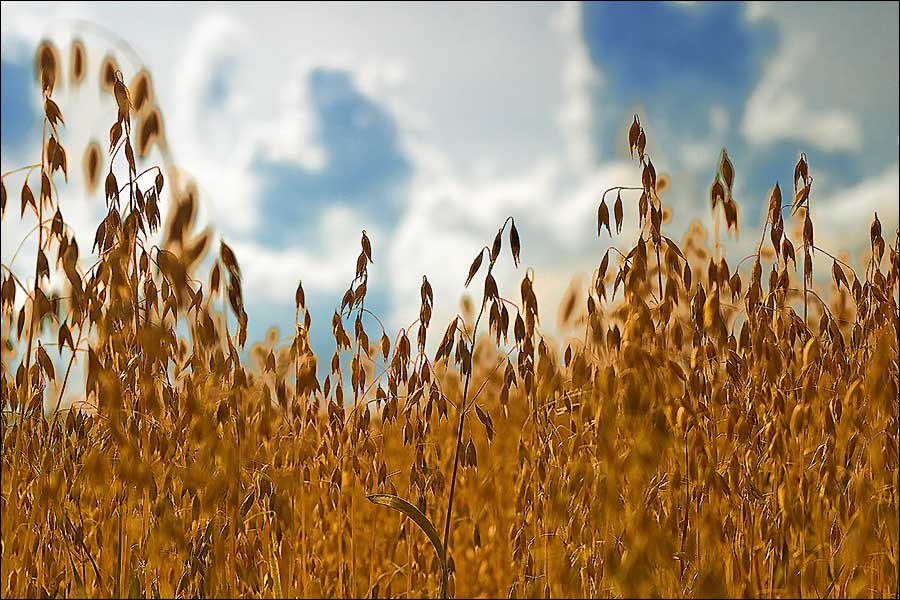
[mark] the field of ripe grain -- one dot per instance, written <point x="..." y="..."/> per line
<point x="719" y="429"/>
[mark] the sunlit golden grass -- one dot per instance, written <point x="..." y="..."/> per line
<point x="719" y="428"/>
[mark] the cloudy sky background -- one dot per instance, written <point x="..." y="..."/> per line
<point x="428" y="125"/>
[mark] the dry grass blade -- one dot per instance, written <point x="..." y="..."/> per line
<point x="399" y="504"/>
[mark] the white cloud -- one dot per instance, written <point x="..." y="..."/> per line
<point x="832" y="81"/>
<point x="21" y="31"/>
<point x="843" y="216"/>
<point x="451" y="217"/>
<point x="579" y="77"/>
<point x="453" y="212"/>
<point x="325" y="263"/>
<point x="778" y="110"/>
<point x="215" y="146"/>
<point x="700" y="155"/>
<point x="276" y="121"/>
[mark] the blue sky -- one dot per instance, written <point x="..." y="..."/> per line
<point x="428" y="124"/>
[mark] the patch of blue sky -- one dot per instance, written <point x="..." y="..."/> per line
<point x="776" y="163"/>
<point x="364" y="169"/>
<point x="676" y="60"/>
<point x="19" y="117"/>
<point x="677" y="63"/>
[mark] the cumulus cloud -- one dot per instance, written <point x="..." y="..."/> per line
<point x="452" y="213"/>
<point x="324" y="262"/>
<point x="828" y="84"/>
<point x="778" y="110"/>
<point x="20" y="31"/>
<point x="451" y="217"/>
<point x="216" y="143"/>
<point x="578" y="79"/>
<point x="853" y="208"/>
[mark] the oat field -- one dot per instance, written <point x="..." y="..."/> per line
<point x="720" y="427"/>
